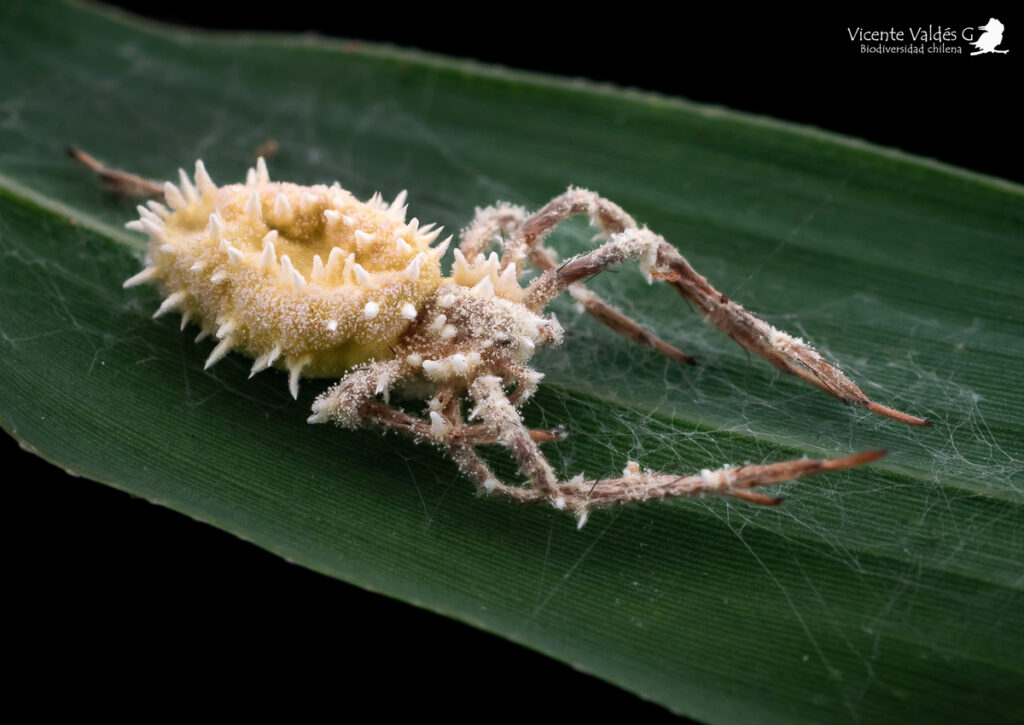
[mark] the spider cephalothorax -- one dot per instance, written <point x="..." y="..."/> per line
<point x="312" y="280"/>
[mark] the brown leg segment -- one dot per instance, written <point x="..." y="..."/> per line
<point x="495" y="410"/>
<point x="580" y="495"/>
<point x="458" y="434"/>
<point x="488" y="225"/>
<point x="610" y="316"/>
<point x="119" y="181"/>
<point x="525" y="234"/>
<point x="661" y="260"/>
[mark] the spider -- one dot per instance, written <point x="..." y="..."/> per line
<point x="246" y="262"/>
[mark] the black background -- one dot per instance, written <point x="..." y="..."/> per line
<point x="159" y="598"/>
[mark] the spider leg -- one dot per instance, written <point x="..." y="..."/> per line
<point x="580" y="495"/>
<point x="377" y="413"/>
<point x="637" y="485"/>
<point x="527" y="381"/>
<point x="487" y="483"/>
<point x="495" y="410"/>
<point x="525" y="237"/>
<point x="344" y="402"/>
<point x="606" y="214"/>
<point x="122" y="182"/>
<point x="661" y="260"/>
<point x="608" y="315"/>
<point x="352" y="402"/>
<point x="488" y="226"/>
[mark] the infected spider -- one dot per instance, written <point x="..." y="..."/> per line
<point x="246" y="263"/>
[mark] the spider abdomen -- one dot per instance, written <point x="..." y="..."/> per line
<point x="309" y="279"/>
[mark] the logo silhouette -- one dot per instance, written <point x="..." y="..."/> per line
<point x="990" y="39"/>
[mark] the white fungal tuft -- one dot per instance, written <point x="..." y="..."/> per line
<point x="173" y="197"/>
<point x="282" y="207"/>
<point x="262" y="175"/>
<point x="362" y="276"/>
<point x="171" y="302"/>
<point x="412" y="272"/>
<point x="187" y="190"/>
<point x="438" y="425"/>
<point x="295" y="366"/>
<point x="222" y="349"/>
<point x="253" y="208"/>
<point x="147" y="275"/>
<point x="203" y="181"/>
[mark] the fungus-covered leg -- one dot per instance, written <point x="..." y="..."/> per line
<point x="495" y="223"/>
<point x="637" y="485"/>
<point x="343" y="403"/>
<point x="374" y="412"/>
<point x="494" y="410"/>
<point x="580" y="495"/>
<point x="606" y="214"/>
<point x="611" y="316"/>
<point x="486" y="482"/>
<point x="490" y="224"/>
<point x="661" y="260"/>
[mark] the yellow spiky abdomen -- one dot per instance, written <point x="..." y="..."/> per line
<point x="303" y="278"/>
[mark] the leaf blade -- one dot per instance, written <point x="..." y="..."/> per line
<point x="764" y="214"/>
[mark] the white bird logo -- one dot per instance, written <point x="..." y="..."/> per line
<point x="990" y="39"/>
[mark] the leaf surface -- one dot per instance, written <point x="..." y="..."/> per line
<point x="880" y="594"/>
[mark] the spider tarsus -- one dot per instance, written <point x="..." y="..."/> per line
<point x="127" y="185"/>
<point x="857" y="459"/>
<point x="675" y="354"/>
<point x="897" y="415"/>
<point x="762" y="499"/>
<point x="267" y="150"/>
<point x="543" y="436"/>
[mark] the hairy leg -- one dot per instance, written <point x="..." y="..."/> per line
<point x="608" y="215"/>
<point x="494" y="410"/>
<point x="608" y="315"/>
<point x="378" y="413"/>
<point x="580" y="495"/>
<point x="496" y="223"/>
<point x="661" y="260"/>
<point x="352" y="402"/>
<point x="490" y="224"/>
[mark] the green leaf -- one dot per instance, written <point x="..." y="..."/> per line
<point x="879" y="594"/>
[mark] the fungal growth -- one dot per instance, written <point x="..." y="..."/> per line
<point x="305" y="279"/>
<point x="314" y="282"/>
